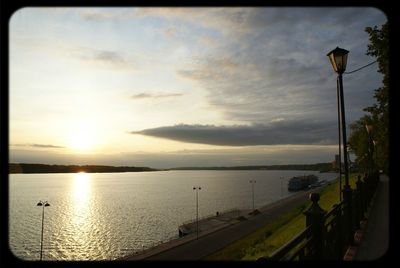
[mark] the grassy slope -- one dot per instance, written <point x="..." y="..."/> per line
<point x="273" y="235"/>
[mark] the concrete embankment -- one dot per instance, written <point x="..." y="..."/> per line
<point x="219" y="234"/>
<point x="213" y="222"/>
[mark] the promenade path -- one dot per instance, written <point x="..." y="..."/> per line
<point x="190" y="248"/>
<point x="374" y="243"/>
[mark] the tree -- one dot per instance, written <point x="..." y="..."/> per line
<point x="378" y="114"/>
<point x="359" y="140"/>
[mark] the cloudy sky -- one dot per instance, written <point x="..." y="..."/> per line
<point x="168" y="87"/>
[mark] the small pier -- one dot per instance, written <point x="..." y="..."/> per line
<point x="210" y="222"/>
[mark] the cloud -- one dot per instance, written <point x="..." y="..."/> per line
<point x="102" y="58"/>
<point x="280" y="65"/>
<point x="96" y="15"/>
<point x="105" y="14"/>
<point x="39" y="145"/>
<point x="214" y="18"/>
<point x="155" y="96"/>
<point x="255" y="91"/>
<point x="278" y="132"/>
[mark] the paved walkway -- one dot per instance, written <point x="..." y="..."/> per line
<point x="373" y="238"/>
<point x="190" y="248"/>
<point x="374" y="243"/>
<point x="214" y="222"/>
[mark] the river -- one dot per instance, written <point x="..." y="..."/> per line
<point x="105" y="216"/>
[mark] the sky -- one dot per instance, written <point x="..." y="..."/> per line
<point x="173" y="87"/>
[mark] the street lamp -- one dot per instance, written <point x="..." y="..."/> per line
<point x="338" y="59"/>
<point x="371" y="145"/>
<point x="348" y="157"/>
<point x="340" y="143"/>
<point x="376" y="154"/>
<point x="197" y="188"/>
<point x="252" y="187"/>
<point x="42" y="204"/>
<point x="365" y="158"/>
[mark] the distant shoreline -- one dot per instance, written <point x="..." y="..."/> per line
<point x="25" y="168"/>
<point x="322" y="167"/>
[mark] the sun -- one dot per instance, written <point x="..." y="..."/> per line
<point x="81" y="139"/>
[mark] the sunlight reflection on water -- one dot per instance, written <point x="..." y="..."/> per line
<point x="100" y="216"/>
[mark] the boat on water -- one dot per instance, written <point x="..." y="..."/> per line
<point x="298" y="183"/>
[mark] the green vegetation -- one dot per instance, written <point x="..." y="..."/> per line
<point x="41" y="168"/>
<point x="378" y="115"/>
<point x="251" y="244"/>
<point x="269" y="238"/>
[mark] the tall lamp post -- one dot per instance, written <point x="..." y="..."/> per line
<point x="197" y="188"/>
<point x="375" y="142"/>
<point x="371" y="144"/>
<point x="338" y="59"/>
<point x="42" y="204"/>
<point x="252" y="188"/>
<point x="340" y="143"/>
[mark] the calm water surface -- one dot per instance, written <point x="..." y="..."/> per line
<point x="104" y="216"/>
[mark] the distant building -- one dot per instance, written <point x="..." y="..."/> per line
<point x="352" y="165"/>
<point x="336" y="162"/>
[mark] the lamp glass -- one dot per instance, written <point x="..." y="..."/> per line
<point x="338" y="59"/>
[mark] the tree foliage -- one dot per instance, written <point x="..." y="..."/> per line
<point x="378" y="114"/>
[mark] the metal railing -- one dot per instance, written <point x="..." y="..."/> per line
<point x="295" y="248"/>
<point x="328" y="234"/>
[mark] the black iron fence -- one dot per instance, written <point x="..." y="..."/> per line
<point x="328" y="234"/>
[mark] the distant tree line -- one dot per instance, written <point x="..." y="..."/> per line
<point x="323" y="167"/>
<point x="43" y="168"/>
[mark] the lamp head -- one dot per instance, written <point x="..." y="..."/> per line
<point x="338" y="59"/>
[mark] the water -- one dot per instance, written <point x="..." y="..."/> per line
<point x="104" y="216"/>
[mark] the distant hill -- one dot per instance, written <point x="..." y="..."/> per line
<point x="43" y="168"/>
<point x="323" y="167"/>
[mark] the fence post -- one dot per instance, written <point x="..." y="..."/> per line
<point x="315" y="218"/>
<point x="367" y="190"/>
<point x="359" y="201"/>
<point x="376" y="179"/>
<point x="349" y="226"/>
<point x="362" y="198"/>
<point x="339" y="247"/>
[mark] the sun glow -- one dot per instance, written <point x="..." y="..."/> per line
<point x="82" y="139"/>
<point x="81" y="188"/>
<point x="81" y="207"/>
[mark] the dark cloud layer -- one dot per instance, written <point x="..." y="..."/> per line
<point x="155" y="96"/>
<point x="38" y="145"/>
<point x="102" y="58"/>
<point x="276" y="133"/>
